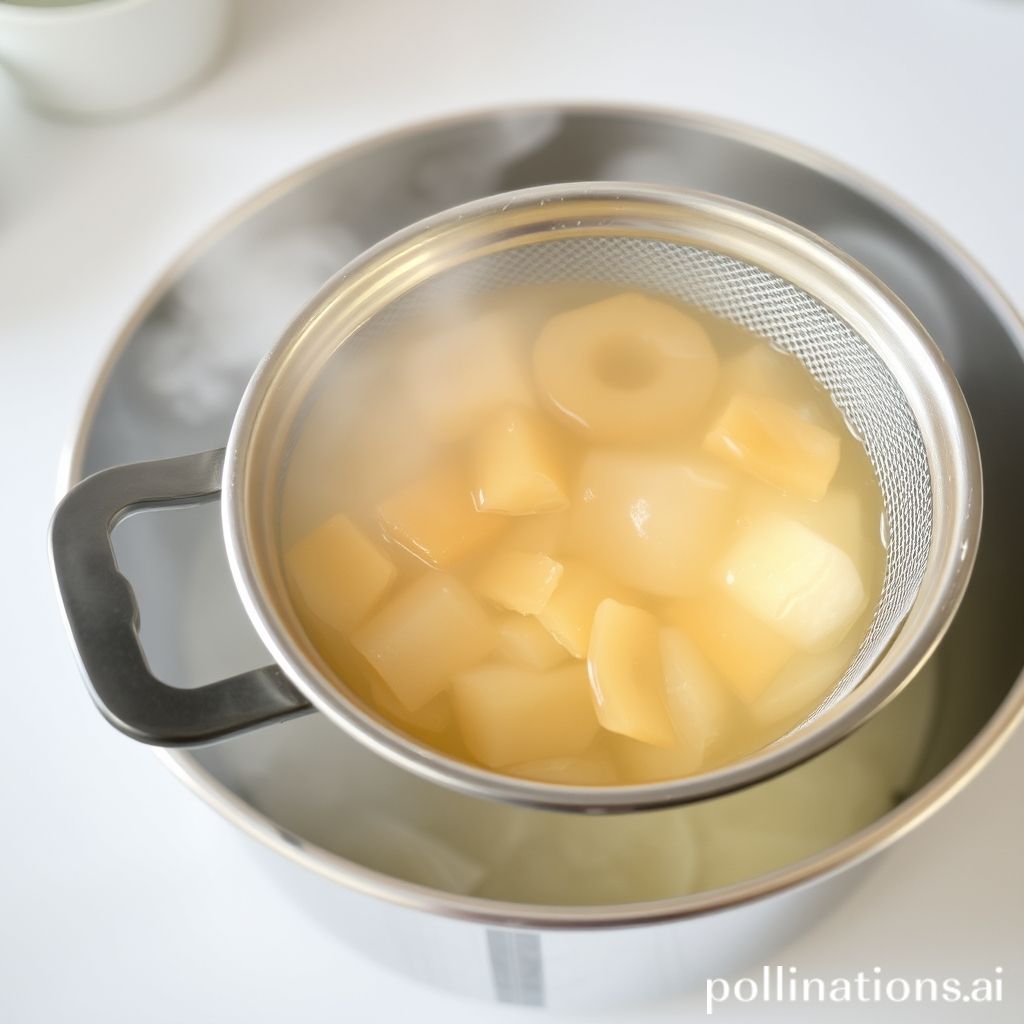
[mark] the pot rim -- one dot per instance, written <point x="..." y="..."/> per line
<point x="853" y="850"/>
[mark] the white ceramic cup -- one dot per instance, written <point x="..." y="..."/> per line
<point x="90" y="58"/>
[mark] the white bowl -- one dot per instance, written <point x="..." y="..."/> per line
<point x="98" y="57"/>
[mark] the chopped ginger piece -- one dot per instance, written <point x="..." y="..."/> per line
<point x="801" y="685"/>
<point x="840" y="517"/>
<point x="764" y="370"/>
<point x="592" y="768"/>
<point x="525" y="642"/>
<point x="794" y="581"/>
<point x="435" y="518"/>
<point x="423" y="636"/>
<point x="458" y="378"/>
<point x="643" y="762"/>
<point x="653" y="522"/>
<point x="339" y="572"/>
<point x="519" y="581"/>
<point x="626" y="676"/>
<point x="435" y="716"/>
<point x="773" y="443"/>
<point x="569" y="613"/>
<point x="698" y="705"/>
<point x="747" y="653"/>
<point x="509" y="715"/>
<point x="516" y="466"/>
<point x="544" y="532"/>
<point x="345" y="664"/>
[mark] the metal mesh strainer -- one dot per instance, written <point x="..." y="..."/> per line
<point x="862" y="346"/>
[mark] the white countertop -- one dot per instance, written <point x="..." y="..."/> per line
<point x="123" y="897"/>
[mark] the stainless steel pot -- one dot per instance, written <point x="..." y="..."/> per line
<point x="527" y="952"/>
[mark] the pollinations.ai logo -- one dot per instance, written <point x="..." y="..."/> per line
<point x="778" y="984"/>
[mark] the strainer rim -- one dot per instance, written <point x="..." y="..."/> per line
<point x="537" y="209"/>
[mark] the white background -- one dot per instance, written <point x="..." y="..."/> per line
<point x="122" y="897"/>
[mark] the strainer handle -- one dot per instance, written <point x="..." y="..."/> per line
<point x="102" y="614"/>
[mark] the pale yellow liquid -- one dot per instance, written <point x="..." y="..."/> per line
<point x="365" y="439"/>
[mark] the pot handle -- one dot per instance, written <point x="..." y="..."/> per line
<point x="103" y="616"/>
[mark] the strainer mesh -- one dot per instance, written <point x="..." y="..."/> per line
<point x="844" y="364"/>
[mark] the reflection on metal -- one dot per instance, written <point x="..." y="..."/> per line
<point x="516" y="966"/>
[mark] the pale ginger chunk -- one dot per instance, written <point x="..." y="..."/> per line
<point x="627" y="368"/>
<point x="747" y="653"/>
<point x="794" y="581"/>
<point x="458" y="377"/>
<point x="543" y="532"/>
<point x="569" y="613"/>
<point x="525" y="642"/>
<point x="430" y="631"/>
<point x="509" y="715"/>
<point x="517" y="469"/>
<point x="592" y="768"/>
<point x="339" y="572"/>
<point x="434" y="717"/>
<point x="766" y="371"/>
<point x="435" y="518"/>
<point x="798" y="689"/>
<point x="773" y="443"/>
<point x="763" y="369"/>
<point x="652" y="522"/>
<point x="640" y="762"/>
<point x="841" y="517"/>
<point x="519" y="580"/>
<point x="698" y="705"/>
<point x="844" y="519"/>
<point x="626" y="676"/>
<point x="344" y="663"/>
